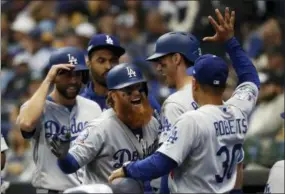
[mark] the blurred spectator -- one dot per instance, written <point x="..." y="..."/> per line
<point x="135" y="9"/>
<point x="128" y="33"/>
<point x="85" y="31"/>
<point x="180" y="14"/>
<point x="267" y="35"/>
<point x="100" y="8"/>
<point x="38" y="54"/>
<point x="106" y="24"/>
<point x="18" y="85"/>
<point x="71" y="7"/>
<point x="276" y="59"/>
<point x="265" y="119"/>
<point x="71" y="39"/>
<point x="155" y="27"/>
<point x="19" y="166"/>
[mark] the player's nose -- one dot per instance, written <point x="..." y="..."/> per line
<point x="158" y="67"/>
<point x="108" y="65"/>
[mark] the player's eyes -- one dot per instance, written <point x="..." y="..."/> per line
<point x="100" y="60"/>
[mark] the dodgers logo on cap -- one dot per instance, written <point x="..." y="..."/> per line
<point x="131" y="72"/>
<point x="109" y="40"/>
<point x="72" y="60"/>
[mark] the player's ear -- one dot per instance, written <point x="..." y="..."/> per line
<point x="176" y="58"/>
<point x="195" y="84"/>
<point x="113" y="96"/>
<point x="87" y="62"/>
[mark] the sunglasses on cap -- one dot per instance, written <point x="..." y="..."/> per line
<point x="129" y="90"/>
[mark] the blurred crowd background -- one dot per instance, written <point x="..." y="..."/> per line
<point x="31" y="30"/>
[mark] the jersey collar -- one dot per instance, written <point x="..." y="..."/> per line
<point x="89" y="91"/>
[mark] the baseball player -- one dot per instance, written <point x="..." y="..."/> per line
<point x="175" y="52"/>
<point x="275" y="183"/>
<point x="60" y="115"/>
<point x="205" y="145"/>
<point x="104" y="52"/>
<point x="127" y="131"/>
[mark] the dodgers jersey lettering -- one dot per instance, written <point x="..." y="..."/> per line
<point x="107" y="143"/>
<point x="57" y="120"/>
<point x="207" y="144"/>
<point x="174" y="106"/>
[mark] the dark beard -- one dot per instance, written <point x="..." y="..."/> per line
<point x="134" y="117"/>
<point x="98" y="78"/>
<point x="64" y="93"/>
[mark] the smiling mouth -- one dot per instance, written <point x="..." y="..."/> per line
<point x="71" y="88"/>
<point x="136" y="101"/>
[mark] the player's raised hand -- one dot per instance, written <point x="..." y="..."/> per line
<point x="116" y="174"/>
<point x="224" y="27"/>
<point x="55" y="69"/>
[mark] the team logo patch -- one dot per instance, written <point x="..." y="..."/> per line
<point x="246" y="92"/>
<point x="83" y="136"/>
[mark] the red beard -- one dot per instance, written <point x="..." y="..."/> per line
<point x="134" y="117"/>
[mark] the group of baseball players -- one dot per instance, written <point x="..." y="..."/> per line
<point x="86" y="139"/>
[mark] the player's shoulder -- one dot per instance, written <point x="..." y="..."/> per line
<point x="181" y="98"/>
<point x="188" y="117"/>
<point x="279" y="164"/>
<point x="106" y="118"/>
<point x="87" y="102"/>
<point x="153" y="123"/>
<point x="195" y="116"/>
<point x="181" y="94"/>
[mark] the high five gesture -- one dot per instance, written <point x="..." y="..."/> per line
<point x="224" y="27"/>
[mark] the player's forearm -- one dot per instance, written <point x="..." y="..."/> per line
<point x="242" y="64"/>
<point x="152" y="167"/>
<point x="68" y="165"/>
<point x="31" y="112"/>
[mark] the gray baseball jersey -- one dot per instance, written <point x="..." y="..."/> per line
<point x="207" y="144"/>
<point x="106" y="143"/>
<point x="174" y="106"/>
<point x="58" y="120"/>
<point x="275" y="183"/>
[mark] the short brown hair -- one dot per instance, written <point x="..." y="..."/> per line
<point x="215" y="90"/>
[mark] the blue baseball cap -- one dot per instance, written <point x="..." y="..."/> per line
<point x="100" y="41"/>
<point x="124" y="75"/>
<point x="177" y="42"/>
<point x="211" y="70"/>
<point x="68" y="55"/>
<point x="282" y="115"/>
